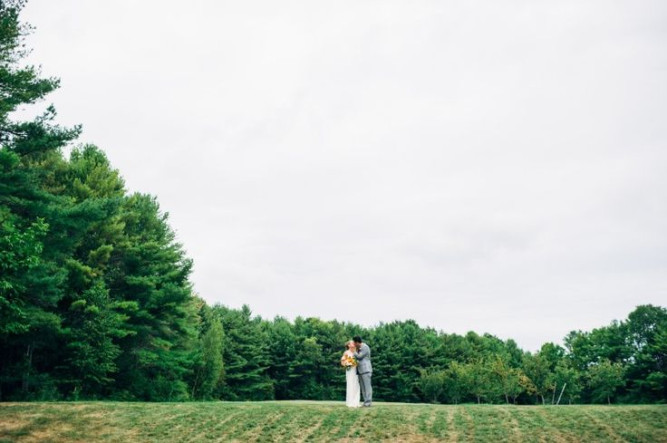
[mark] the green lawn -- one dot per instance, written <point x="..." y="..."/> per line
<point x="327" y="421"/>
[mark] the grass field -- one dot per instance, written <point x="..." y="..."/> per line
<point x="327" y="421"/>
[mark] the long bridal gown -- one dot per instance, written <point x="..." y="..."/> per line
<point x="353" y="392"/>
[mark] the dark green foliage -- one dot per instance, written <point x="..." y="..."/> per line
<point x="96" y="290"/>
<point x="282" y="344"/>
<point x="604" y="379"/>
<point x="91" y="350"/>
<point x="148" y="271"/>
<point x="647" y="368"/>
<point x="637" y="345"/>
<point x="19" y="253"/>
<point x="208" y="371"/>
<point x="400" y="351"/>
<point x="432" y="384"/>
<point x="245" y="356"/>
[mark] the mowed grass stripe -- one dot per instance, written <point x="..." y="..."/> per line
<point x="565" y="425"/>
<point x="513" y="429"/>
<point x="464" y="424"/>
<point x="213" y="427"/>
<point x="650" y="416"/>
<point x="425" y="422"/>
<point x="326" y="421"/>
<point x="533" y="425"/>
<point x="297" y="424"/>
<point x="491" y="424"/>
<point x="443" y="426"/>
<point x="589" y="425"/>
<point x="249" y="426"/>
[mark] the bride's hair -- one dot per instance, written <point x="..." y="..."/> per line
<point x="347" y="344"/>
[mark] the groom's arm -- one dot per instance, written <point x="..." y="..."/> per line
<point x="363" y="353"/>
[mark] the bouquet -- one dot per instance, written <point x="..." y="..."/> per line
<point x="348" y="362"/>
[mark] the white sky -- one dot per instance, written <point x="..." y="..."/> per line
<point x="496" y="166"/>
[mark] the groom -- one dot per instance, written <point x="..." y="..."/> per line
<point x="364" y="369"/>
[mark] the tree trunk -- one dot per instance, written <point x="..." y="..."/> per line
<point x="26" y="374"/>
<point x="561" y="393"/>
<point x="195" y="383"/>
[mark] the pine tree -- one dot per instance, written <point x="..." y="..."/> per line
<point x="245" y="355"/>
<point x="282" y="352"/>
<point x="208" y="370"/>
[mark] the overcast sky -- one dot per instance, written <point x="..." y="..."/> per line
<point x="496" y="166"/>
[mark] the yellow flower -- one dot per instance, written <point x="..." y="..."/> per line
<point x="348" y="361"/>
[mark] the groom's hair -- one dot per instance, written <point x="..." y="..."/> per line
<point x="357" y="339"/>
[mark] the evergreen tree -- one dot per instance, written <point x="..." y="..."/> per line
<point x="282" y="348"/>
<point x="305" y="368"/>
<point x="208" y="372"/>
<point x="245" y="355"/>
<point x="31" y="209"/>
<point x="149" y="271"/>
<point x="91" y="352"/>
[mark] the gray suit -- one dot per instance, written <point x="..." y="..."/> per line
<point x="365" y="371"/>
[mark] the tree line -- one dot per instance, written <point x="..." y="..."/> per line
<point x="96" y="302"/>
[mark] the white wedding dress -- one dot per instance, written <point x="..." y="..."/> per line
<point x="353" y="392"/>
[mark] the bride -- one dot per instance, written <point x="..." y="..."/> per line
<point x="348" y="361"/>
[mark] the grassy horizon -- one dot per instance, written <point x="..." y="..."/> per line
<point x="327" y="421"/>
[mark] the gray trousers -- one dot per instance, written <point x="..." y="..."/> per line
<point x="366" y="388"/>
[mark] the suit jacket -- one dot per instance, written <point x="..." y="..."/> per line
<point x="363" y="357"/>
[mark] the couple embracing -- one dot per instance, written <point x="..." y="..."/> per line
<point x="358" y="372"/>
